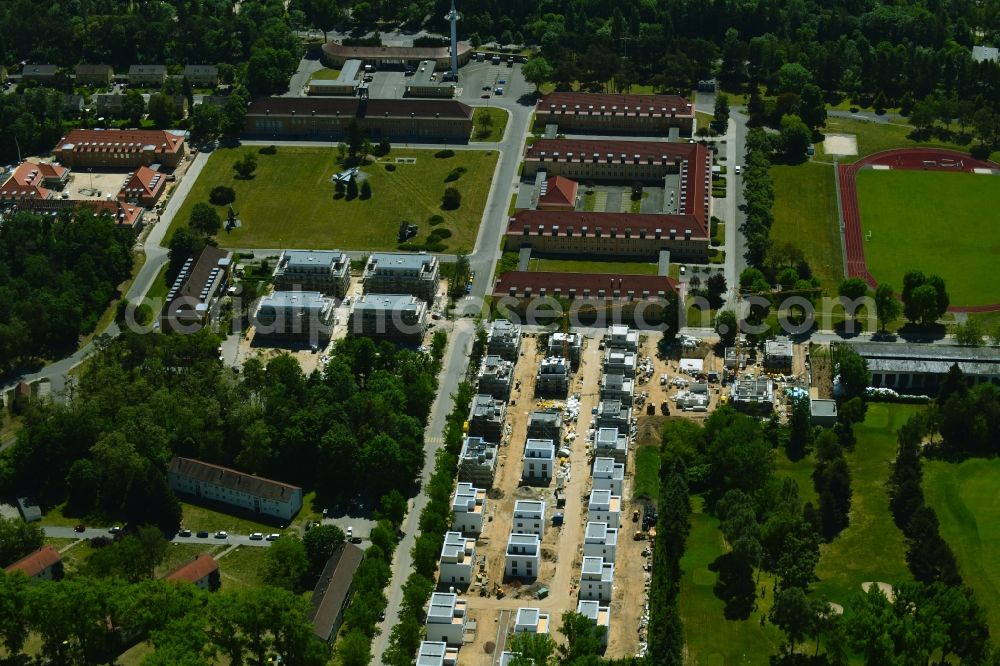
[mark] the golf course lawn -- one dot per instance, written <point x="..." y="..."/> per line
<point x="710" y="638"/>
<point x="289" y="202"/>
<point x="938" y="223"/>
<point x="871" y="548"/>
<point x="966" y="497"/>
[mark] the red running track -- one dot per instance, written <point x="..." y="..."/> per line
<point x="901" y="158"/>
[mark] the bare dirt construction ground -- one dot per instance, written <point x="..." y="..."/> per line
<point x="561" y="546"/>
<point x="821" y="367"/>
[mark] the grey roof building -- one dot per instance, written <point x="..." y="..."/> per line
<point x="199" y="285"/>
<point x="617" y="387"/>
<point x="620" y="362"/>
<point x="560" y="343"/>
<point x="985" y="54"/>
<point x="622" y="337"/>
<point x="202" y="75"/>
<point x="504" y="339"/>
<point x="496" y="376"/>
<point x="100" y="75"/>
<point x="823" y="412"/>
<point x="486" y="418"/>
<point x="147" y="74"/>
<point x="778" y="354"/>
<point x="545" y="424"/>
<point x="402" y="273"/>
<point x="477" y="462"/>
<point x="611" y="442"/>
<point x="295" y="313"/>
<point x="553" y="376"/>
<point x="436" y="653"/>
<point x="754" y="396"/>
<point x="919" y="369"/>
<point x="390" y="316"/>
<point x="614" y="414"/>
<point x="332" y="593"/>
<point x="40" y="73"/>
<point x="328" y="271"/>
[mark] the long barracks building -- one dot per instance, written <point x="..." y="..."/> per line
<point x="615" y="114"/>
<point x="328" y="118"/>
<point x="609" y="234"/>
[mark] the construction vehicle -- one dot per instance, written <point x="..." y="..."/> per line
<point x="640" y="535"/>
<point x="635" y="515"/>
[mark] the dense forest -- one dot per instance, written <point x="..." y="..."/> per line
<point x="57" y="276"/>
<point x="356" y="428"/>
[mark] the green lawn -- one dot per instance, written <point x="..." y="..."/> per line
<point x="196" y="518"/>
<point x="875" y="137"/>
<point x="159" y="288"/>
<point x="805" y="214"/>
<point x="711" y="639"/>
<point x="593" y="266"/>
<point x="289" y="203"/>
<point x="498" y="123"/>
<point x="801" y="471"/>
<point x="933" y="222"/>
<point x="243" y="567"/>
<point x="871" y="548"/>
<point x="326" y="74"/>
<point x="966" y="497"/>
<point x="647" y="472"/>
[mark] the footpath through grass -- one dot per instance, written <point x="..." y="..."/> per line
<point x="934" y="222"/>
<point x="289" y="202"/>
<point x="871" y="548"/>
<point x="966" y="498"/>
<point x="805" y="215"/>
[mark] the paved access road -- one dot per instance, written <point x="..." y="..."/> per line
<point x="94" y="532"/>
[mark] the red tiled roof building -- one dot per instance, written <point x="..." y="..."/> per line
<point x="202" y="572"/>
<point x="560" y="194"/>
<point x="615" y="114"/>
<point x="33" y="180"/>
<point x="43" y="564"/>
<point x="144" y="186"/>
<point x="119" y="148"/>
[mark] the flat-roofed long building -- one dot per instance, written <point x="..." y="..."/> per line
<point x="504" y="339"/>
<point x="295" y="314"/>
<point x="336" y="54"/>
<point x="486" y="418"/>
<point x="919" y="369"/>
<point x="446" y="618"/>
<point x="196" y="290"/>
<point x="414" y="273"/>
<point x="215" y="483"/>
<point x="330" y="117"/>
<point x="468" y="505"/>
<point x="615" y="114"/>
<point x="328" y="271"/>
<point x="389" y="316"/>
<point x="643" y="236"/>
<point x="477" y="462"/>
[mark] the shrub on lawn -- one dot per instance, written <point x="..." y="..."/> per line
<point x="268" y="150"/>
<point x="390" y="167"/>
<point x="441" y="233"/>
<point x="435" y="220"/>
<point x="455" y="174"/>
<point x="222" y="195"/>
<point x="366" y="189"/>
<point x="434" y="245"/>
<point x="451" y="199"/>
<point x="447" y="152"/>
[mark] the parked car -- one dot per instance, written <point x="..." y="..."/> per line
<point x="203" y="534"/>
<point x="485" y="96"/>
<point x="498" y="91"/>
<point x="80" y="528"/>
<point x="221" y="535"/>
<point x="349" y="531"/>
<point x="184" y="533"/>
<point x="273" y="537"/>
<point x="502" y="81"/>
<point x="739" y="169"/>
<point x="256" y="536"/>
<point x="115" y="530"/>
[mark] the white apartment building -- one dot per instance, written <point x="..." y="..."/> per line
<point x="539" y="460"/>
<point x="599" y="540"/>
<point x="604" y="508"/>
<point x="531" y="620"/>
<point x="598" y="614"/>
<point x="596" y="579"/>
<point x="608" y="475"/>
<point x="458" y="559"/>
<point x="202" y="480"/>
<point x="468" y="506"/>
<point x="622" y="337"/>
<point x="619" y="362"/>
<point x="529" y="517"/>
<point x="611" y="443"/>
<point x="446" y="618"/>
<point x="436" y="653"/>
<point x="524" y="556"/>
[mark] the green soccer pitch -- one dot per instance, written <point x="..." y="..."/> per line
<point x="940" y="223"/>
